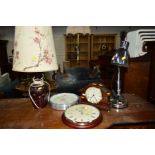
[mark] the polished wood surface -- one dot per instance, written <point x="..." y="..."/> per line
<point x="19" y="113"/>
<point x="136" y="77"/>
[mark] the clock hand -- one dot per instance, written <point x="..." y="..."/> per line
<point x="92" y="96"/>
<point x="94" y="99"/>
<point x="91" y="99"/>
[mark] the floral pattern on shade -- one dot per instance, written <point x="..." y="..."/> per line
<point x="42" y="55"/>
<point x="46" y="57"/>
<point x="34" y="49"/>
<point x="38" y="40"/>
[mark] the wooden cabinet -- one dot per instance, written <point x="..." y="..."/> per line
<point x="90" y="47"/>
<point x="140" y="75"/>
<point x="136" y="76"/>
<point x="102" y="43"/>
<point x="3" y="54"/>
<point x="77" y="59"/>
<point x="5" y="66"/>
<point x="151" y="90"/>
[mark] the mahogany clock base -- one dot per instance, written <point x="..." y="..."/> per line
<point x="84" y="118"/>
<point x="96" y="94"/>
<point x="81" y="125"/>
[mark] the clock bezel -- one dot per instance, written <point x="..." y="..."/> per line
<point x="82" y="125"/>
<point x="65" y="105"/>
<point x="96" y="87"/>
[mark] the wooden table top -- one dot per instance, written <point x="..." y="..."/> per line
<point x="19" y="113"/>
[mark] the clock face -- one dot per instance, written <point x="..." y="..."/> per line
<point x="82" y="116"/>
<point x="93" y="95"/>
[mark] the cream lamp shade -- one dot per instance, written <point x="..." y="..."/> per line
<point x="34" y="49"/>
<point x="78" y="29"/>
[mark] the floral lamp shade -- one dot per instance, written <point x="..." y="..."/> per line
<point x="78" y="29"/>
<point x="34" y="49"/>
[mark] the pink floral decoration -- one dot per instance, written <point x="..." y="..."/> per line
<point x="37" y="40"/>
<point x="38" y="32"/>
<point x="47" y="57"/>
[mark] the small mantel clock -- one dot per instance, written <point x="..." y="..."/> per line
<point x="96" y="94"/>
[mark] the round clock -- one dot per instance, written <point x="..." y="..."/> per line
<point x="82" y="116"/>
<point x="62" y="101"/>
<point x="93" y="94"/>
<point x="96" y="94"/>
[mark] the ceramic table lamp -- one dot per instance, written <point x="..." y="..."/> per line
<point x="34" y="51"/>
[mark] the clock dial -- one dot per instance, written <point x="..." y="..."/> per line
<point x="82" y="116"/>
<point x="93" y="95"/>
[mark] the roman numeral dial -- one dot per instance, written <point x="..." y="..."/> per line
<point x="93" y="95"/>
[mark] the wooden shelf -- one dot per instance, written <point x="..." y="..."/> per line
<point x="102" y="43"/>
<point x="84" y="50"/>
<point x="90" y="47"/>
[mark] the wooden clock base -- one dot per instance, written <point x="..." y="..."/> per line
<point x="82" y="116"/>
<point x="81" y="125"/>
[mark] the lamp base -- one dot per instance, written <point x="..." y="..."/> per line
<point x="119" y="102"/>
<point x="39" y="93"/>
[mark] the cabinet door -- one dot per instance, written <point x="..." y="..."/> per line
<point x="152" y="74"/>
<point x="81" y="57"/>
<point x="3" y="53"/>
<point x="5" y="67"/>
